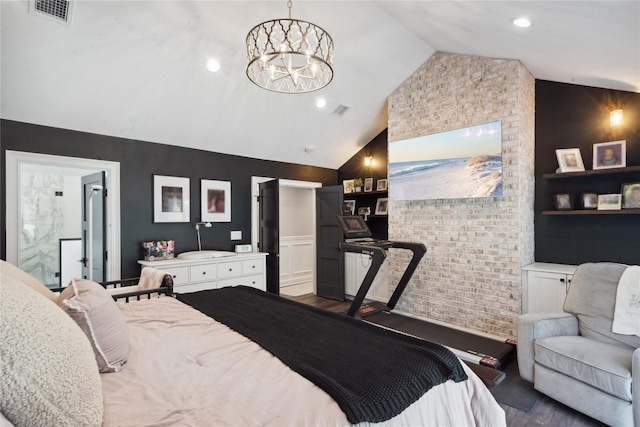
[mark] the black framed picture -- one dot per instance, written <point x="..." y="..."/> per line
<point x="563" y="202"/>
<point x="631" y="195"/>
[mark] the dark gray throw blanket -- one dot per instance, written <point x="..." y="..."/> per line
<point x="372" y="373"/>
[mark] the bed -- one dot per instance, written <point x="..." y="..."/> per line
<point x="185" y="368"/>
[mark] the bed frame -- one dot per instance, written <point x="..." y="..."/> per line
<point x="166" y="288"/>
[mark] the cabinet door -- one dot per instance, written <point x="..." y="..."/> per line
<point x="350" y="280"/>
<point x="356" y="267"/>
<point x="546" y="291"/>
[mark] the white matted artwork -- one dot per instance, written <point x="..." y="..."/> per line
<point x="368" y="184"/>
<point x="569" y="160"/>
<point x="171" y="199"/>
<point x="215" y="201"/>
<point x="609" y="202"/>
<point x="351" y="204"/>
<point x="382" y="206"/>
<point x="609" y="155"/>
<point x="349" y="186"/>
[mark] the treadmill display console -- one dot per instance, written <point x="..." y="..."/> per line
<point x="354" y="226"/>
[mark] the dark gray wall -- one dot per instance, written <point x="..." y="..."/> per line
<point x="139" y="161"/>
<point x="572" y="116"/>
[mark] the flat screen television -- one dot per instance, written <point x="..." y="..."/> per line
<point x="462" y="163"/>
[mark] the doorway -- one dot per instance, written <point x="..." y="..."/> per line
<point x="297" y="232"/>
<point x="43" y="212"/>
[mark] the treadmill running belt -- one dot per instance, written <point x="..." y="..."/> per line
<point x="453" y="338"/>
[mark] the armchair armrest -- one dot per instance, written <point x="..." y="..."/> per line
<point x="532" y="326"/>
<point x="635" y="381"/>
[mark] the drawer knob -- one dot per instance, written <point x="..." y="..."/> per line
<point x="231" y="269"/>
<point x="204" y="272"/>
<point x="174" y="276"/>
<point x="562" y="280"/>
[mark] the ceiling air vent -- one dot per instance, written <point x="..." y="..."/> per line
<point x="55" y="10"/>
<point x="340" y="110"/>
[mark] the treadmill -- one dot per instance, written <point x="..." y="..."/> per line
<point x="474" y="348"/>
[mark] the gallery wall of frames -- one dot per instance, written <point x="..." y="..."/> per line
<point x="587" y="170"/>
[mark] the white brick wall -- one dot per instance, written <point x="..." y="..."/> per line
<point x="470" y="275"/>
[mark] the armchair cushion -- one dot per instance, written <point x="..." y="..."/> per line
<point x="604" y="366"/>
<point x="592" y="298"/>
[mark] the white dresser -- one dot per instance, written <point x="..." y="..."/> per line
<point x="545" y="286"/>
<point x="248" y="269"/>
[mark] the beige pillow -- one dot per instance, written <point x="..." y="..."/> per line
<point x="100" y="319"/>
<point x="10" y="270"/>
<point x="48" y="372"/>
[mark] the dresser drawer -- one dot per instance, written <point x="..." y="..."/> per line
<point x="181" y="289"/>
<point x="203" y="273"/>
<point x="252" y="266"/>
<point x="180" y="275"/>
<point x="229" y="269"/>
<point x="256" y="281"/>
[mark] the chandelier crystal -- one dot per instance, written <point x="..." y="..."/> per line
<point x="289" y="55"/>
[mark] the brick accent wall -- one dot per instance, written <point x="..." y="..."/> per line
<point x="470" y="276"/>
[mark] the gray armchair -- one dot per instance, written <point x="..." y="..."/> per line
<point x="574" y="358"/>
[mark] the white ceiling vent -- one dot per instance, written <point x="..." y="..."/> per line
<point x="340" y="110"/>
<point x="55" y="10"/>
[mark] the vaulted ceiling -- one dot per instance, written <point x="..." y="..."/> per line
<point x="137" y="69"/>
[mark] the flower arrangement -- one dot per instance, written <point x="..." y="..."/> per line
<point x="158" y="250"/>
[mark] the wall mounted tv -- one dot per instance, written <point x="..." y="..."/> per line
<point x="462" y="163"/>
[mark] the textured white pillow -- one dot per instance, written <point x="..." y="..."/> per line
<point x="10" y="270"/>
<point x="48" y="372"/>
<point x="99" y="317"/>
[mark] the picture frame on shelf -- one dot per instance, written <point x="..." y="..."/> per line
<point x="610" y="155"/>
<point x="569" y="160"/>
<point x="351" y="204"/>
<point x="364" y="210"/>
<point x="563" y="202"/>
<point x="631" y="195"/>
<point x="215" y="201"/>
<point x="171" y="199"/>
<point x="382" y="184"/>
<point x="609" y="202"/>
<point x="589" y="200"/>
<point x="368" y="185"/>
<point x="348" y="186"/>
<point x="382" y="206"/>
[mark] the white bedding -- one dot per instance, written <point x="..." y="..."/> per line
<point x="187" y="369"/>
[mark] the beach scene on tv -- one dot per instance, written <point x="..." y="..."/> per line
<point x="462" y="163"/>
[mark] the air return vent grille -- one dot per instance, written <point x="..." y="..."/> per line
<point x="57" y="10"/>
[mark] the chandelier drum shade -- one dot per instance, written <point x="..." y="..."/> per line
<point x="289" y="56"/>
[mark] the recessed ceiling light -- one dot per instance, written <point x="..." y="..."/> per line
<point x="521" y="22"/>
<point x="321" y="102"/>
<point x="213" y="65"/>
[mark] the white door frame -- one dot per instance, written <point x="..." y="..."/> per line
<point x="255" y="217"/>
<point x="14" y="161"/>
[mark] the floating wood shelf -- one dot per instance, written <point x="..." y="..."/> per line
<point x="591" y="172"/>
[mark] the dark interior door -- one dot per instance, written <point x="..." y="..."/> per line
<point x="269" y="239"/>
<point x="94" y="227"/>
<point x="329" y="258"/>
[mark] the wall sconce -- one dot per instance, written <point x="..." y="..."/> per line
<point x="368" y="161"/>
<point x="616" y="118"/>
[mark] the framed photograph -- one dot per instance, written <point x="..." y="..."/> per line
<point x="631" y="196"/>
<point x="215" y="201"/>
<point x="351" y="204"/>
<point x="382" y="205"/>
<point x="171" y="199"/>
<point x="348" y="186"/>
<point x="609" y="202"/>
<point x="364" y="210"/>
<point x="569" y="160"/>
<point x="368" y="184"/>
<point x="381" y="185"/>
<point x="609" y="155"/>
<point x="563" y="202"/>
<point x="589" y="200"/>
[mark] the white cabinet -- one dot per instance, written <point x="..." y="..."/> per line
<point x="355" y="268"/>
<point x="545" y="286"/>
<point x="246" y="269"/>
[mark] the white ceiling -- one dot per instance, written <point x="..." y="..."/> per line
<point x="136" y="69"/>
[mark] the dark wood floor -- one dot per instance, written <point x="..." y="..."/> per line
<point x="546" y="412"/>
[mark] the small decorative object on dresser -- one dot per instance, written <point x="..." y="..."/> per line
<point x="631" y="196"/>
<point x="382" y="206"/>
<point x="569" y="160"/>
<point x="158" y="250"/>
<point x="609" y="155"/>
<point x="215" y="201"/>
<point x="170" y="199"/>
<point x="563" y="202"/>
<point x="368" y="184"/>
<point x="589" y="201"/>
<point x="609" y="202"/>
<point x="348" y="186"/>
<point x="381" y="185"/>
